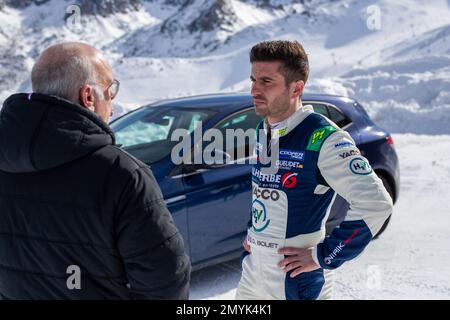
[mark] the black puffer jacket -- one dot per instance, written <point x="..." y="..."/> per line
<point x="70" y="197"/>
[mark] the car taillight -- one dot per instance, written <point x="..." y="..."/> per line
<point x="389" y="140"/>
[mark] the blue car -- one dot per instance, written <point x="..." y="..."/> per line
<point x="211" y="204"/>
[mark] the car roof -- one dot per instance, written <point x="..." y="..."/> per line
<point x="210" y="101"/>
<point x="235" y="101"/>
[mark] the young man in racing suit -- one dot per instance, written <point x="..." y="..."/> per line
<point x="287" y="254"/>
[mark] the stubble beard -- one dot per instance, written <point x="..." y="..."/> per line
<point x="279" y="106"/>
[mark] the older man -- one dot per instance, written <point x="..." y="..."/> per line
<point x="79" y="217"/>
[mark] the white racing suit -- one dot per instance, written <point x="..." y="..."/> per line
<point x="290" y="207"/>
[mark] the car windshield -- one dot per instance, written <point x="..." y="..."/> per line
<point x="146" y="133"/>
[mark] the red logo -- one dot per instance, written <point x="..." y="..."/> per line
<point x="289" y="180"/>
<point x="351" y="236"/>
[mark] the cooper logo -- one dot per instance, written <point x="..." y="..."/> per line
<point x="292" y="155"/>
<point x="266" y="194"/>
<point x="289" y="180"/>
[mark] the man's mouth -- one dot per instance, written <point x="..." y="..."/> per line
<point x="258" y="101"/>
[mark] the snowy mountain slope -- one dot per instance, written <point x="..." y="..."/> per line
<point x="107" y="8"/>
<point x="14" y="62"/>
<point x="411" y="87"/>
<point x="26" y="32"/>
<point x="412" y="95"/>
<point x="199" y="27"/>
<point x="434" y="42"/>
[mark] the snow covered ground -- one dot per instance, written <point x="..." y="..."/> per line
<point x="411" y="260"/>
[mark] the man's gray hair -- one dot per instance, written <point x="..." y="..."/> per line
<point x="63" y="74"/>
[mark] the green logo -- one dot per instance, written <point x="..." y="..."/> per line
<point x="318" y="137"/>
<point x="360" y="166"/>
<point x="259" y="216"/>
<point x="282" y="132"/>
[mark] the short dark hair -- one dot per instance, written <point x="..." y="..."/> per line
<point x="291" y="54"/>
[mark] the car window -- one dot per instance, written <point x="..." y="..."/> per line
<point x="320" y="108"/>
<point x="196" y="118"/>
<point x="338" y="117"/>
<point x="146" y="133"/>
<point x="243" y="120"/>
<point x="331" y="113"/>
<point x="156" y="126"/>
<point x="143" y="131"/>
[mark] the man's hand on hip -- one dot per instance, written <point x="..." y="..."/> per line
<point x="299" y="260"/>
<point x="246" y="246"/>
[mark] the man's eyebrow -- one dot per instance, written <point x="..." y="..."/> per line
<point x="262" y="78"/>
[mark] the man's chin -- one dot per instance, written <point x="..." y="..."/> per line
<point x="260" y="111"/>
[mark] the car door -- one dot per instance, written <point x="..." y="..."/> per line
<point x="146" y="134"/>
<point x="219" y="198"/>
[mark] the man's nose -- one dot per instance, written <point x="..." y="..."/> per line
<point x="255" y="90"/>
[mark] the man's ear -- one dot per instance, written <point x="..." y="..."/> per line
<point x="298" y="89"/>
<point x="87" y="97"/>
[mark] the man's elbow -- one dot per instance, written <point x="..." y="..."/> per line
<point x="161" y="273"/>
<point x="389" y="205"/>
<point x="177" y="269"/>
<point x="179" y="277"/>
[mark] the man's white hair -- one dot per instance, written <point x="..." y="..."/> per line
<point x="63" y="72"/>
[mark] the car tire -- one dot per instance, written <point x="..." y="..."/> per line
<point x="391" y="193"/>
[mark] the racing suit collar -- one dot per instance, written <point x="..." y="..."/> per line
<point x="287" y="125"/>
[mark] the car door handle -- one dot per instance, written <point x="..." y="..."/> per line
<point x="219" y="190"/>
<point x="175" y="199"/>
